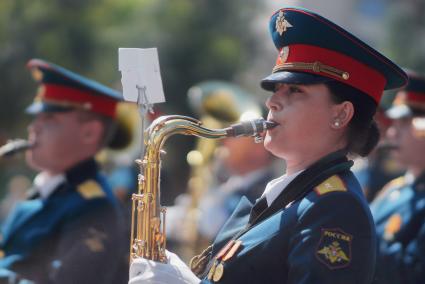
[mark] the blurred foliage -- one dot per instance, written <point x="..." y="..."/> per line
<point x="196" y="40"/>
<point x="406" y="33"/>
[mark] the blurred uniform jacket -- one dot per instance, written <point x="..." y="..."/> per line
<point x="73" y="236"/>
<point x="399" y="213"/>
<point x="318" y="230"/>
<point x="219" y="203"/>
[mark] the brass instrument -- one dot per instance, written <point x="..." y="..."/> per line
<point x="148" y="237"/>
<point x="13" y="147"/>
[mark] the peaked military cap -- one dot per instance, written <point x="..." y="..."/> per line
<point x="411" y="100"/>
<point x="314" y="50"/>
<point x="63" y="90"/>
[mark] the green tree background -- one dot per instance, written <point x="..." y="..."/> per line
<point x="196" y="40"/>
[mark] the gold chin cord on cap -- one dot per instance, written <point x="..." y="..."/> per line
<point x="316" y="67"/>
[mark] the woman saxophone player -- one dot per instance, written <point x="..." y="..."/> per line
<point x="312" y="224"/>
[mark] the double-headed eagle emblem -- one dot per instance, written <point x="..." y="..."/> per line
<point x="282" y="24"/>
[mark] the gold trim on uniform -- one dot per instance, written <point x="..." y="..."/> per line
<point x="316" y="67"/>
<point x="95" y="240"/>
<point x="393" y="226"/>
<point x="90" y="189"/>
<point x="218" y="272"/>
<point x="334" y="183"/>
<point x="334" y="253"/>
<point x="199" y="262"/>
<point x="37" y="74"/>
<point x="227" y="252"/>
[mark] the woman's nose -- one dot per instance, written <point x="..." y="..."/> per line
<point x="271" y="102"/>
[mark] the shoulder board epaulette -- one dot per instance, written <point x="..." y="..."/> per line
<point x="334" y="183"/>
<point x="396" y="182"/>
<point x="391" y="185"/>
<point x="90" y="189"/>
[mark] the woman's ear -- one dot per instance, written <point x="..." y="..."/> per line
<point x="342" y="114"/>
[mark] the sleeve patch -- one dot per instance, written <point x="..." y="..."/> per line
<point x="334" y="248"/>
<point x="95" y="240"/>
<point x="334" y="183"/>
<point x="90" y="189"/>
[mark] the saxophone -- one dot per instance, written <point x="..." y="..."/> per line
<point x="148" y="237"/>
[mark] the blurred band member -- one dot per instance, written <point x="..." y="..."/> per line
<point x="68" y="230"/>
<point x="399" y="209"/>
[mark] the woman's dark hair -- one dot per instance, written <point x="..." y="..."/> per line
<point x="363" y="132"/>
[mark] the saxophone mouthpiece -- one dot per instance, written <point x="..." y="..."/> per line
<point x="14" y="146"/>
<point x="253" y="127"/>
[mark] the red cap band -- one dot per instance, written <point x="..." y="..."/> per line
<point x="415" y="97"/>
<point x="360" y="76"/>
<point x="67" y="96"/>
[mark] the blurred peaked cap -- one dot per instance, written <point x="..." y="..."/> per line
<point x="224" y="101"/>
<point x="62" y="90"/>
<point x="312" y="49"/>
<point x="409" y="101"/>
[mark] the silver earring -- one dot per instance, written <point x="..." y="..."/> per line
<point x="337" y="123"/>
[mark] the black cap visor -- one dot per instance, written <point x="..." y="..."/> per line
<point x="291" y="77"/>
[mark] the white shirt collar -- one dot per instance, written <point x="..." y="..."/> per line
<point x="276" y="186"/>
<point x="45" y="184"/>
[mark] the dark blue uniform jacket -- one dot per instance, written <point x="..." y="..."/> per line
<point x="399" y="214"/>
<point x="319" y="230"/>
<point x="74" y="236"/>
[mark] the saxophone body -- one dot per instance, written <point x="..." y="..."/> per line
<point x="148" y="237"/>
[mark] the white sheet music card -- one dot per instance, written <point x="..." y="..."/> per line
<point x="140" y="70"/>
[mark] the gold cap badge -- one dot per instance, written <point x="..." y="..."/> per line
<point x="282" y="24"/>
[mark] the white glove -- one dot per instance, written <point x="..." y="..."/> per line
<point x="151" y="272"/>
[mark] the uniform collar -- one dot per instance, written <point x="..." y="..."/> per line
<point x="276" y="186"/>
<point x="82" y="171"/>
<point x="45" y="184"/>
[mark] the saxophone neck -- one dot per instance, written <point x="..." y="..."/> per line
<point x="165" y="126"/>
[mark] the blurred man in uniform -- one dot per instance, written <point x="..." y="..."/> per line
<point x="249" y="167"/>
<point x="377" y="169"/>
<point x="399" y="208"/>
<point x="68" y="230"/>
